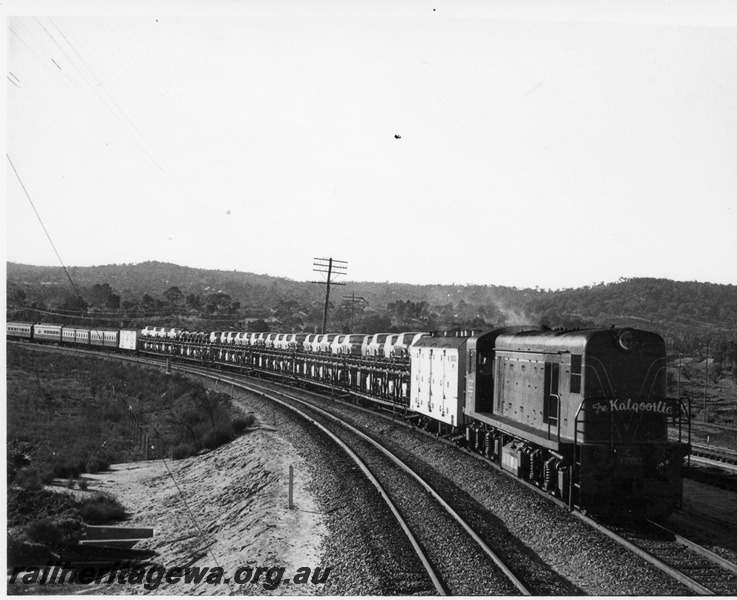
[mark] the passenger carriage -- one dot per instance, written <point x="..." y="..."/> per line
<point x="19" y="331"/>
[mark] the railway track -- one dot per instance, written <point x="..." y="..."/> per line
<point x="458" y="561"/>
<point x="713" y="455"/>
<point x="700" y="570"/>
<point x="715" y="476"/>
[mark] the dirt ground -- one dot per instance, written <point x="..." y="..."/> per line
<point x="238" y="497"/>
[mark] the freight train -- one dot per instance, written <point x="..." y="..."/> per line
<point x="581" y="414"/>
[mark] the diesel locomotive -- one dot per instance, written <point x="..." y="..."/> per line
<point x="582" y="414"/>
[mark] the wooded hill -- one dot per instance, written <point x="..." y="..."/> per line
<point x="686" y="313"/>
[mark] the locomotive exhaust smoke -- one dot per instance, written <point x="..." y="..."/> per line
<point x="516" y="317"/>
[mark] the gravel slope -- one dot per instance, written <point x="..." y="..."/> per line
<point x="238" y="496"/>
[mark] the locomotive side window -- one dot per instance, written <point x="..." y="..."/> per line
<point x="575" y="373"/>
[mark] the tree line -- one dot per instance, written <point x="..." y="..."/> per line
<point x="687" y="314"/>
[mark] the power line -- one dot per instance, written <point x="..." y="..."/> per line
<point x="77" y="70"/>
<point x="192" y="517"/>
<point x="74" y="287"/>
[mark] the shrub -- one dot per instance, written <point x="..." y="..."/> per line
<point x="218" y="436"/>
<point x="27" y="478"/>
<point x="242" y="422"/>
<point x="101" y="509"/>
<point x="43" y="531"/>
<point x="95" y="464"/>
<point x="34" y="477"/>
<point x="83" y="484"/>
<point x="183" y="450"/>
<point x="68" y="468"/>
<point x="52" y="533"/>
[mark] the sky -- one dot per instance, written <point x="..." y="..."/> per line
<point x="554" y="144"/>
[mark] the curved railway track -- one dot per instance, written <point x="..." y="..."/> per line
<point x="700" y="570"/>
<point x="456" y="558"/>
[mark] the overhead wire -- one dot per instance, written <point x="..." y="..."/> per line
<point x="112" y="105"/>
<point x="40" y="220"/>
<point x="115" y="107"/>
<point x="119" y="55"/>
<point x="161" y="77"/>
<point x="129" y="134"/>
<point x="83" y="99"/>
<point x="35" y="111"/>
<point x="195" y="135"/>
<point x="77" y="67"/>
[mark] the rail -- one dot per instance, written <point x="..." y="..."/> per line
<point x="720" y="564"/>
<point x="401" y="464"/>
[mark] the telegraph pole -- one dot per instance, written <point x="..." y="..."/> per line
<point x="332" y="268"/>
<point x="706" y="375"/>
<point x="353" y="299"/>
